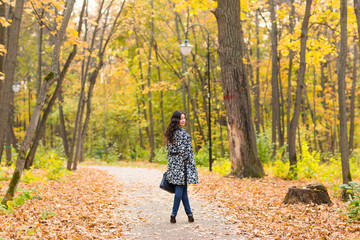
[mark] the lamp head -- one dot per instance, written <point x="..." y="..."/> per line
<point x="185" y="48"/>
<point x="16" y="87"/>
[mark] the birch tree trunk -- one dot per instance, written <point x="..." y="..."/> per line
<point x="241" y="133"/>
<point x="299" y="89"/>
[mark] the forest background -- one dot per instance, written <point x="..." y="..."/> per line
<point x="127" y="76"/>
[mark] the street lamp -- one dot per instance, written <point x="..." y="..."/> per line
<point x="185" y="49"/>
<point x="16" y="87"/>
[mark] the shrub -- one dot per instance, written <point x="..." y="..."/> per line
<point x="202" y="157"/>
<point x="51" y="162"/>
<point x="161" y="156"/>
<point x="264" y="147"/>
<point x="222" y="166"/>
<point x="353" y="210"/>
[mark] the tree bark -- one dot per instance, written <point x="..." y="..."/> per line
<point x="10" y="65"/>
<point x="63" y="132"/>
<point x="40" y="101"/>
<point x="274" y="80"/>
<point x="299" y="89"/>
<point x="257" y="81"/>
<point x="352" y="103"/>
<point x="291" y="57"/>
<point x="2" y="58"/>
<point x="241" y="133"/>
<point x="357" y="14"/>
<point x="151" y="117"/>
<point x="343" y="139"/>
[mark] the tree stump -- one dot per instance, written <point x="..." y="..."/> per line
<point x="313" y="193"/>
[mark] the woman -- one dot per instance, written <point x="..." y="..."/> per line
<point x="181" y="168"/>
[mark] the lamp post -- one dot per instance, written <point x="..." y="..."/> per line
<point x="16" y="87"/>
<point x="185" y="49"/>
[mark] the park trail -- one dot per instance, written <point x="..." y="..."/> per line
<point x="148" y="208"/>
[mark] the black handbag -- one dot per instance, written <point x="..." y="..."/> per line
<point x="165" y="185"/>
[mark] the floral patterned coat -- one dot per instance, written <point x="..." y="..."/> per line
<point x="179" y="154"/>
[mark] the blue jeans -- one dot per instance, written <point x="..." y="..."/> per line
<point x="181" y="194"/>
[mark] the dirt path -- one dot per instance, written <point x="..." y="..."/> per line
<point x="149" y="208"/>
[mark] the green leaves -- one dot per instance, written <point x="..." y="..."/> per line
<point x="354" y="200"/>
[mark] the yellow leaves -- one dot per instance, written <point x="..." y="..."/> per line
<point x="2" y="50"/>
<point x="4" y="22"/>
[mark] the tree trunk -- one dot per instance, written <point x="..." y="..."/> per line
<point x="142" y="80"/>
<point x="79" y="154"/>
<point x="40" y="131"/>
<point x="161" y="92"/>
<point x="40" y="40"/>
<point x="63" y="132"/>
<point x="274" y="81"/>
<point x="281" y="116"/>
<point x="9" y="70"/>
<point x="357" y="14"/>
<point x="241" y="133"/>
<point x="2" y="57"/>
<point x="257" y="83"/>
<point x="352" y="103"/>
<point x="40" y="101"/>
<point x="343" y="139"/>
<point x="291" y="57"/>
<point x="299" y="90"/>
<point x="151" y="117"/>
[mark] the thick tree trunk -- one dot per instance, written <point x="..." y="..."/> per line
<point x="343" y="139"/>
<point x="241" y="133"/>
<point x="2" y="58"/>
<point x="299" y="89"/>
<point x="9" y="70"/>
<point x="40" y="101"/>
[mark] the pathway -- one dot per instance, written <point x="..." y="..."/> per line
<point x="148" y="208"/>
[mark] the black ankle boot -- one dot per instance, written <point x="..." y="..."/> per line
<point x="173" y="219"/>
<point x="191" y="218"/>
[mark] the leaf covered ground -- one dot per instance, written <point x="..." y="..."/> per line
<point x="256" y="206"/>
<point x="83" y="205"/>
<point x="89" y="203"/>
